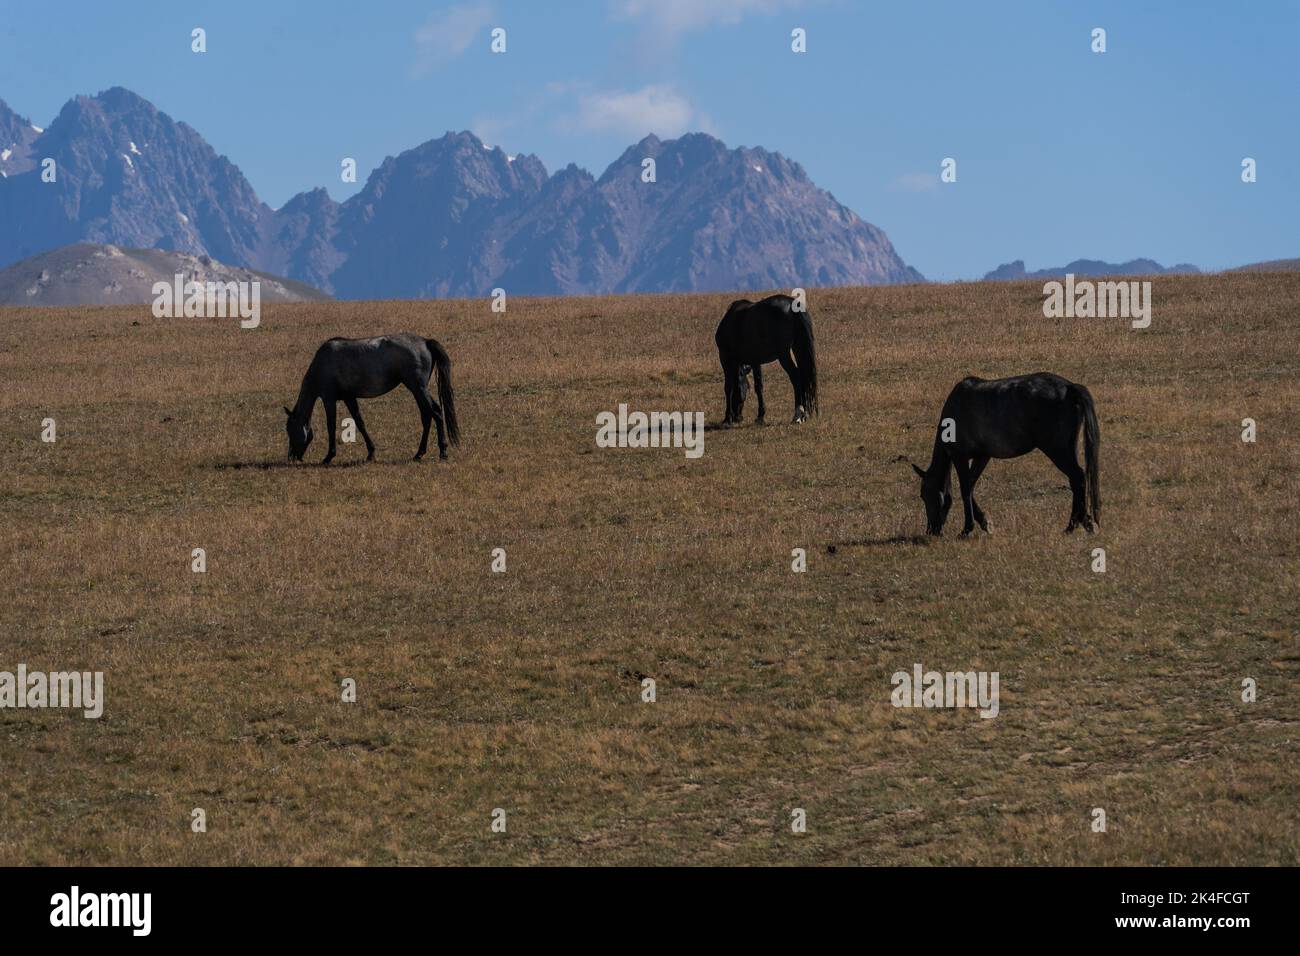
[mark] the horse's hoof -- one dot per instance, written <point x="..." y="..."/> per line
<point x="418" y="458"/>
<point x="442" y="456"/>
<point x="966" y="533"/>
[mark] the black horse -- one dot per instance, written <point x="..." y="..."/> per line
<point x="753" y="333"/>
<point x="1006" y="418"/>
<point x="348" y="369"/>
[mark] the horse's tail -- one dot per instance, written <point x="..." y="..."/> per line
<point x="446" y="398"/>
<point x="1091" y="451"/>
<point x="805" y="356"/>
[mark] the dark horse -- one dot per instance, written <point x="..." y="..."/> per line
<point x="347" y="369"/>
<point x="752" y="333"/>
<point x="1006" y="418"/>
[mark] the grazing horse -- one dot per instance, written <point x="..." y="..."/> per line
<point x="348" y="369"/>
<point x="1006" y="418"/>
<point x="752" y="333"/>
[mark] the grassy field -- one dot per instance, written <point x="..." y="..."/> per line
<point x="522" y="690"/>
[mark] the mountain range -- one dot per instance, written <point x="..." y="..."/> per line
<point x="450" y="217"/>
<point x="1091" y="267"/>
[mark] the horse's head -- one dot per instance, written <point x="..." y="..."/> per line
<point x="937" y="497"/>
<point x="300" y="434"/>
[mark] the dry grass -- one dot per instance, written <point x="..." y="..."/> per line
<point x="481" y="690"/>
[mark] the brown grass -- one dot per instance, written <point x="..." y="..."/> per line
<point x="481" y="690"/>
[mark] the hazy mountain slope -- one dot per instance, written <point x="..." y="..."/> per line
<point x="89" y="274"/>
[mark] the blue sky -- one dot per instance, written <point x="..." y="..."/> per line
<point x="1061" y="153"/>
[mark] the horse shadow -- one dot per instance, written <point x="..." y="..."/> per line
<point x="278" y="465"/>
<point x="893" y="539"/>
<point x="725" y="426"/>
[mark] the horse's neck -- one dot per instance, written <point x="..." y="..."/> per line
<point x="306" y="398"/>
<point x="940" y="464"/>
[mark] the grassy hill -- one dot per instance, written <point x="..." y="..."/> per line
<point x="1272" y="265"/>
<point x="522" y="690"/>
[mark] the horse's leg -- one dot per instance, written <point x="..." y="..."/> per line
<point x="435" y="410"/>
<point x="796" y="382"/>
<point x="758" y="391"/>
<point x="730" y="374"/>
<point x="421" y="394"/>
<point x="967" y="483"/>
<point x="977" y="466"/>
<point x="355" y="411"/>
<point x="331" y="415"/>
<point x="1064" y="459"/>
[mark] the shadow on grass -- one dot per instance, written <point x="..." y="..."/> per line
<point x="914" y="539"/>
<point x="352" y="463"/>
<point x="723" y="427"/>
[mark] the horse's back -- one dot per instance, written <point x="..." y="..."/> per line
<point x="369" y="367"/>
<point x="1007" y="417"/>
<point x="758" y="331"/>
<point x="775" y="305"/>
<point x="1036" y="386"/>
<point x="398" y="347"/>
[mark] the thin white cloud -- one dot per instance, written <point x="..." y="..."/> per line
<point x="675" y="17"/>
<point x="656" y="108"/>
<point x="489" y="129"/>
<point x="540" y="101"/>
<point x="918" y="182"/>
<point x="447" y="34"/>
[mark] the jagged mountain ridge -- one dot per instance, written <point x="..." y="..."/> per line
<point x="128" y="174"/>
<point x="450" y="217"/>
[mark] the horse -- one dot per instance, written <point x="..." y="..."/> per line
<point x="1007" y="418"/>
<point x="753" y="333"/>
<point x="348" y="369"/>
